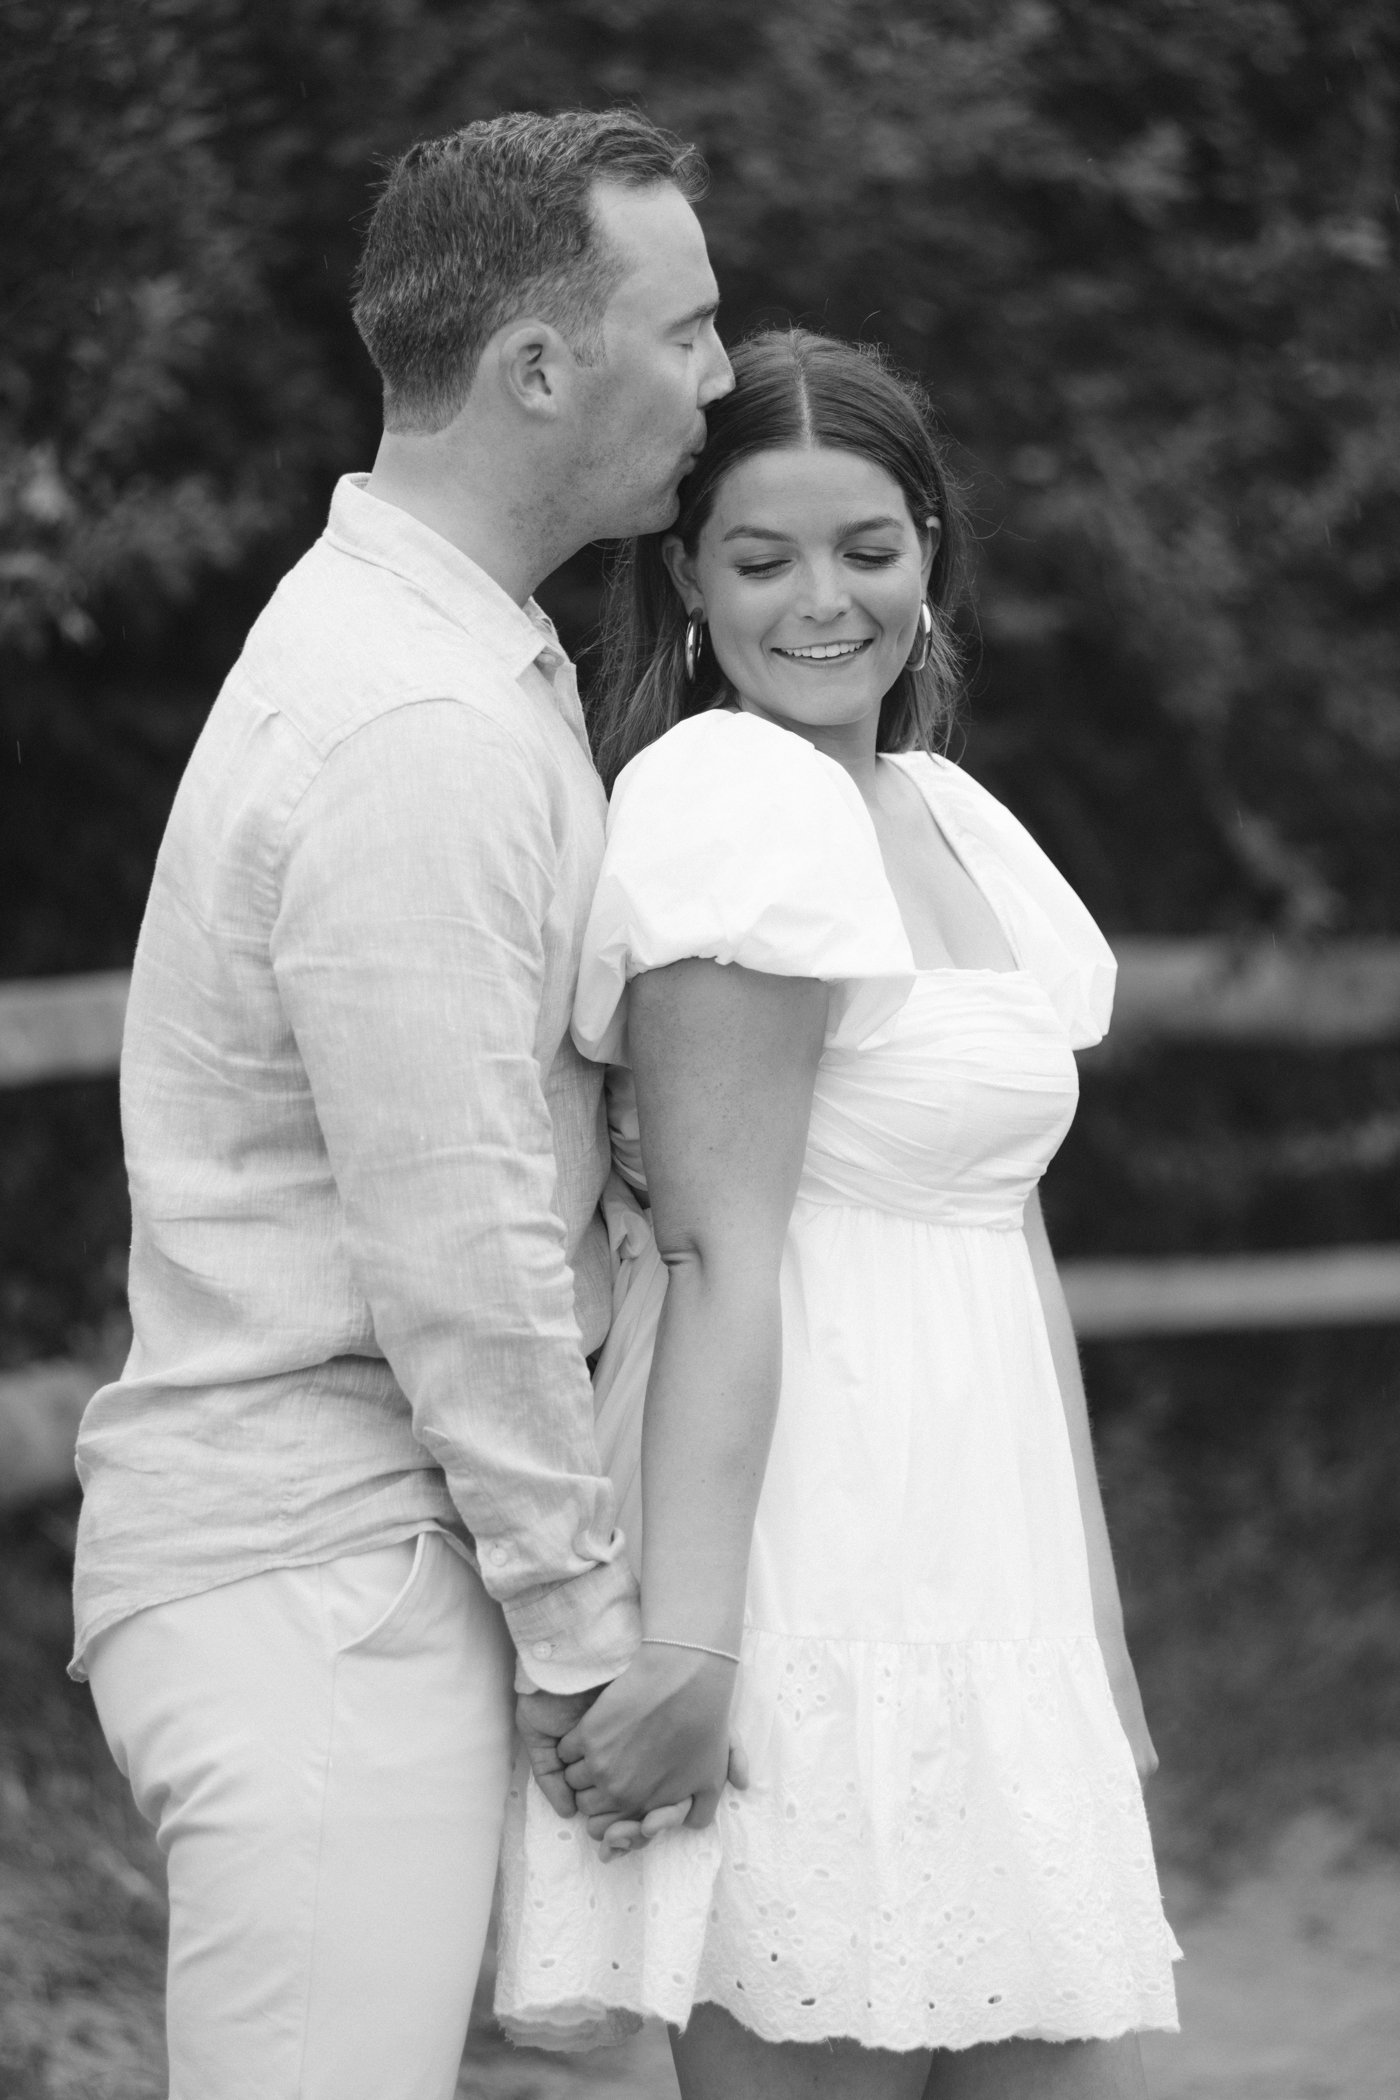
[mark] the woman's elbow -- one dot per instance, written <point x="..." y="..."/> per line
<point x="721" y="1271"/>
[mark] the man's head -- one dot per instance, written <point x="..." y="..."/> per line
<point x="551" y="269"/>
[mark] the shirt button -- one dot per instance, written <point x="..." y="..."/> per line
<point x="542" y="1649"/>
<point x="496" y="1555"/>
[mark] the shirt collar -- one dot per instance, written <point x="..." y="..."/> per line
<point x="371" y="530"/>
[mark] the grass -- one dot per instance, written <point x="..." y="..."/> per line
<point x="82" y="1910"/>
<point x="1251" y="1487"/>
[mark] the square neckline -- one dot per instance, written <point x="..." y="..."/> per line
<point x="948" y="969"/>
<point x="904" y="760"/>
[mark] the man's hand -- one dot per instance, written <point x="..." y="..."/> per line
<point x="656" y="1734"/>
<point x="542" y="1718"/>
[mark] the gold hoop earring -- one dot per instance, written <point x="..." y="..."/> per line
<point x="694" y="636"/>
<point x="920" y="662"/>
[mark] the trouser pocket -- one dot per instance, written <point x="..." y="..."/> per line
<point x="367" y="1597"/>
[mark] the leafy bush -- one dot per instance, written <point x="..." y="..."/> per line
<point x="1143" y="251"/>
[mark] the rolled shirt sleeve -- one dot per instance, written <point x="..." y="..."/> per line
<point x="416" y="874"/>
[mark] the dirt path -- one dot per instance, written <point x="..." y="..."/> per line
<point x="1291" y="1985"/>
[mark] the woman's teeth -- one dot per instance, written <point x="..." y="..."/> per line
<point x="823" y="652"/>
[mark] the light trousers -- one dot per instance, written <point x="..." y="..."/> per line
<point x="324" y="1753"/>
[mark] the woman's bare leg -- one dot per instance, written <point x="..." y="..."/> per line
<point x="717" y="2059"/>
<point x="1023" y="2070"/>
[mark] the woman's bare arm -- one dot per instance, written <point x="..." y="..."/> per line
<point x="1103" y="1582"/>
<point x="725" y="1062"/>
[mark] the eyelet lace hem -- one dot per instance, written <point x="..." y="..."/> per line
<point x="942" y="1845"/>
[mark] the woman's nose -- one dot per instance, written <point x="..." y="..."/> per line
<point x="822" y="591"/>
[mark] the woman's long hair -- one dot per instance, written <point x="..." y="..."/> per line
<point x="791" y="388"/>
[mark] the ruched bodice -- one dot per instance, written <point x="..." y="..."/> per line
<point x="954" y="1112"/>
<point x="943" y="1840"/>
<point x="950" y="1114"/>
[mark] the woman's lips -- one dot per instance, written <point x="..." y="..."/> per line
<point x="838" y="652"/>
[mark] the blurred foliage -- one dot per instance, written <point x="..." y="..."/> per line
<point x="1144" y="250"/>
<point x="83" y="1924"/>
<point x="1249" y="1482"/>
<point x="1209" y="1146"/>
<point x="65" y="1221"/>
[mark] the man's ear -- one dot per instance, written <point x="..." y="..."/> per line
<point x="931" y="537"/>
<point x="680" y="567"/>
<point x="533" y="366"/>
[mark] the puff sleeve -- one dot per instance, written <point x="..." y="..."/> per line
<point x="737" y="841"/>
<point x="1052" y="933"/>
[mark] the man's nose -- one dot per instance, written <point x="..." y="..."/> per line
<point x="719" y="379"/>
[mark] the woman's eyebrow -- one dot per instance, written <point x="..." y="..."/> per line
<point x="847" y="532"/>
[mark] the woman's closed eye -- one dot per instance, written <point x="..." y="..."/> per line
<point x="873" y="557"/>
<point x="863" y="558"/>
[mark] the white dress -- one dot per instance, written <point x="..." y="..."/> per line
<point x="944" y="1840"/>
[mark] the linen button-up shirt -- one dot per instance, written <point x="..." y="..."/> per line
<point x="365" y="1156"/>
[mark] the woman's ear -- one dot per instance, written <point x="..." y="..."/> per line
<point x="680" y="567"/>
<point x="931" y="538"/>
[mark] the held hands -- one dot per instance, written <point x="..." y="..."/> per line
<point x="648" y="1752"/>
<point x="654" y="1748"/>
<point x="542" y="1719"/>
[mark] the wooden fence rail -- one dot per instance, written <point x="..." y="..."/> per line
<point x="40" y="1407"/>
<point x="1204" y="1294"/>
<point x="61" y="1027"/>
<point x="1205" y="990"/>
<point x="1255" y="992"/>
<point x="1346" y="992"/>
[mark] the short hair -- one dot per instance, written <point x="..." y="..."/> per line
<point x="493" y="222"/>
<point x="791" y="388"/>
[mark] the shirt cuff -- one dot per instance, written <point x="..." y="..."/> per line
<point x="576" y="1634"/>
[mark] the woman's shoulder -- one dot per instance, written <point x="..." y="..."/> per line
<point x="1051" y="929"/>
<point x="736" y="841"/>
<point x="977" y="823"/>
<point x="725" y="757"/>
<point x="958" y="792"/>
<point x="727" y="786"/>
<point x="759" y="809"/>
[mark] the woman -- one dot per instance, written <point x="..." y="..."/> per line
<point x="840" y="987"/>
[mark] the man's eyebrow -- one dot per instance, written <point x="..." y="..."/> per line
<point x="700" y="313"/>
<point x="847" y="532"/>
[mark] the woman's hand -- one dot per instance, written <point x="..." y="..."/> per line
<point x="655" y="1735"/>
<point x="1122" y="1680"/>
<point x="625" y="1834"/>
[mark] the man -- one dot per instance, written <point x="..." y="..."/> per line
<point x="365" y="1158"/>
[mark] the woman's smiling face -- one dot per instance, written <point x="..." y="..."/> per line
<point x="810" y="573"/>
